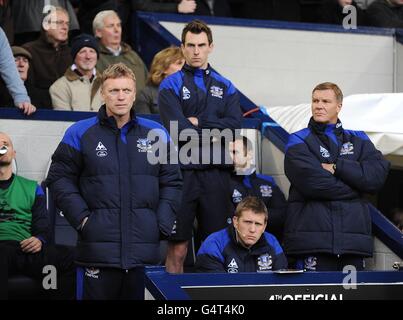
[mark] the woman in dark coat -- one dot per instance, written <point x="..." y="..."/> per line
<point x="165" y="62"/>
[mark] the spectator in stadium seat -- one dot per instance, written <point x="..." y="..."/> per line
<point x="243" y="246"/>
<point x="165" y="62"/>
<point x="197" y="7"/>
<point x="28" y="17"/>
<point x="332" y="12"/>
<point x="21" y="61"/>
<point x="246" y="182"/>
<point x="79" y="88"/>
<point x="168" y="6"/>
<point x="386" y="14"/>
<point x="125" y="8"/>
<point x="119" y="202"/>
<point x="88" y="9"/>
<point x="50" y="55"/>
<point x="198" y="98"/>
<point x="6" y="20"/>
<point x="25" y="230"/>
<point x="219" y="8"/>
<point x="108" y="29"/>
<point x="328" y="223"/>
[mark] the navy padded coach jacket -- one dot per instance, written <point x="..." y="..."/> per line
<point x="327" y="213"/>
<point x="102" y="172"/>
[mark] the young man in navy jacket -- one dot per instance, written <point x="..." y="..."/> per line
<point x="243" y="246"/>
<point x="328" y="222"/>
<point x="196" y="99"/>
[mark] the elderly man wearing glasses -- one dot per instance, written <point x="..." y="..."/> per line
<point x="50" y="54"/>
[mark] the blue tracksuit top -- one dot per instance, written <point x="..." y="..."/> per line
<point x="204" y="94"/>
<point x="221" y="252"/>
<point x="102" y="172"/>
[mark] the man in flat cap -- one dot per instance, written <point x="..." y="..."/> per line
<point x="22" y="59"/>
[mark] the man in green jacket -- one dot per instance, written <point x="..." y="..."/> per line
<point x="25" y="230"/>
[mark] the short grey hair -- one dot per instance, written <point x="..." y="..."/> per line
<point x="98" y="22"/>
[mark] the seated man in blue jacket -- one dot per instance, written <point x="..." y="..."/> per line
<point x="246" y="182"/>
<point x="328" y="222"/>
<point x="243" y="246"/>
<point x="110" y="191"/>
<point x="25" y="230"/>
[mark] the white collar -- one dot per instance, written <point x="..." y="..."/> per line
<point x="74" y="67"/>
<point x="117" y="52"/>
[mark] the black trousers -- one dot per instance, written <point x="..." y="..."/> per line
<point x="13" y="261"/>
<point x="205" y="197"/>
<point x="110" y="284"/>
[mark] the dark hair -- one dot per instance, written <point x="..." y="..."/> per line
<point x="255" y="204"/>
<point x="81" y="41"/>
<point x="197" y="27"/>
<point x="330" y="86"/>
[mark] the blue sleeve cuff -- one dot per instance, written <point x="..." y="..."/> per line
<point x="42" y="239"/>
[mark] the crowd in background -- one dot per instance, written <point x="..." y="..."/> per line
<point x="54" y="70"/>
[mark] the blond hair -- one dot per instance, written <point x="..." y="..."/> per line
<point x="254" y="204"/>
<point x="117" y="70"/>
<point x="161" y="62"/>
<point x="330" y="86"/>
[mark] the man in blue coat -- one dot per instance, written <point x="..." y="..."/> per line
<point x="243" y="246"/>
<point x="119" y="201"/>
<point x="196" y="100"/>
<point x="328" y="223"/>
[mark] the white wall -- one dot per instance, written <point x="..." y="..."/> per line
<point x="273" y="165"/>
<point x="281" y="67"/>
<point x="35" y="142"/>
<point x="383" y="258"/>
